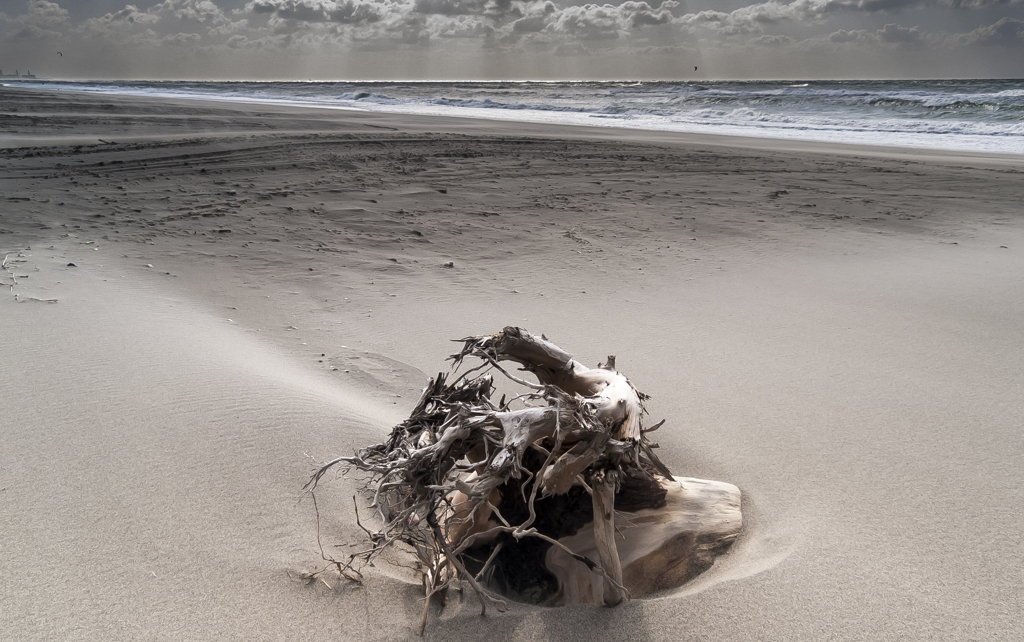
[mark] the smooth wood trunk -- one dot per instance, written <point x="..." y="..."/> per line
<point x="658" y="548"/>
<point x="604" y="539"/>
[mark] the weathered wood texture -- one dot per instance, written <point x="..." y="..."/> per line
<point x="616" y="401"/>
<point x="658" y="548"/>
<point x="604" y="539"/>
<point x="558" y="489"/>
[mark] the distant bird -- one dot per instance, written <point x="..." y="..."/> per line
<point x="60" y="54"/>
<point x="695" y="69"/>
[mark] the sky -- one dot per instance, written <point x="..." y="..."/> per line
<point x="512" y="39"/>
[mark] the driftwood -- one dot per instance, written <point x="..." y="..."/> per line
<point x="554" y="497"/>
<point x="659" y="548"/>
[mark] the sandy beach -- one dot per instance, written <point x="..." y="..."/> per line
<point x="203" y="300"/>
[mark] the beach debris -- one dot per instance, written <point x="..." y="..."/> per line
<point x="519" y="498"/>
<point x="5" y="265"/>
<point x="29" y="299"/>
<point x="449" y="264"/>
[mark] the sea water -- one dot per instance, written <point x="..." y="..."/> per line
<point x="969" y="115"/>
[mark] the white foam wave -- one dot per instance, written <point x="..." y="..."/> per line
<point x="956" y="115"/>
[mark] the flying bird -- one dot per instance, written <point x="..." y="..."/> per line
<point x="695" y="69"/>
<point x="60" y="54"/>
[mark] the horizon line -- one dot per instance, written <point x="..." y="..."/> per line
<point x="520" y="80"/>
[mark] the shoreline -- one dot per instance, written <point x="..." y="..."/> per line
<point x="508" y="126"/>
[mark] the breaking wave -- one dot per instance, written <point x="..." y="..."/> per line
<point x="969" y="115"/>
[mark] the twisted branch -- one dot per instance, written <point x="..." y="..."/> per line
<point x="440" y="477"/>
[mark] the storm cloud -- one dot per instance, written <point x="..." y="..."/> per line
<point x="663" y="37"/>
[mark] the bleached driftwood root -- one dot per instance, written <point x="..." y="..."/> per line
<point x="527" y="497"/>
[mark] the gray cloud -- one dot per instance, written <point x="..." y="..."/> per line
<point x="510" y="28"/>
<point x="35" y="32"/>
<point x="350" y="12"/>
<point x="755" y="18"/>
<point x="131" y="15"/>
<point x="894" y="33"/>
<point x="412" y="34"/>
<point x="572" y="49"/>
<point x="40" y="22"/>
<point x="182" y="39"/>
<point x="317" y="11"/>
<point x="771" y="41"/>
<point x="607" y="22"/>
<point x="45" y="13"/>
<point x="120" y="21"/>
<point x="192" y="10"/>
<point x="983" y="4"/>
<point x="530" y="25"/>
<point x="298" y="10"/>
<point x="450" y="7"/>
<point x="843" y="36"/>
<point x="468" y="27"/>
<point x="642" y="15"/>
<point x="588" y="22"/>
<point x="864" y="6"/>
<point x="1004" y="32"/>
<point x="822" y="7"/>
<point x="303" y="10"/>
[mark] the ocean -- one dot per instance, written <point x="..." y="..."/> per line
<point x="969" y="115"/>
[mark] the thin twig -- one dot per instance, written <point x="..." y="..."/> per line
<point x="481" y="594"/>
<point x="511" y="376"/>
<point x="355" y="505"/>
<point x="490" y="559"/>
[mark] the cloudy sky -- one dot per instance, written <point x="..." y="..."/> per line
<point x="513" y="39"/>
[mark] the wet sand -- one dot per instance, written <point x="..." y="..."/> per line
<point x="254" y="289"/>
